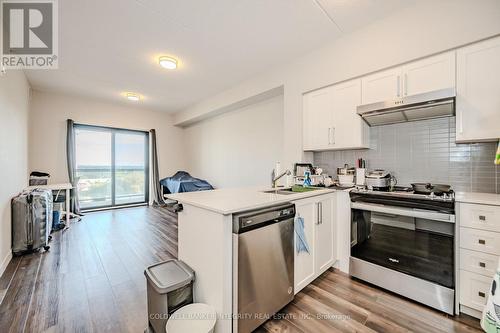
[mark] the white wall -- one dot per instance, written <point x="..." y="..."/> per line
<point x="427" y="28"/>
<point x="14" y="106"/>
<point x="47" y="131"/>
<point x="239" y="148"/>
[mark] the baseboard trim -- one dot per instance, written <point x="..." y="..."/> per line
<point x="114" y="207"/>
<point x="5" y="262"/>
<point x="471" y="312"/>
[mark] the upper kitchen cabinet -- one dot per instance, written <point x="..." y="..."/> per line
<point x="425" y="75"/>
<point x="330" y="118"/>
<point x="317" y="112"/>
<point x="348" y="128"/>
<point x="429" y="74"/>
<point x="381" y="86"/>
<point x="478" y="97"/>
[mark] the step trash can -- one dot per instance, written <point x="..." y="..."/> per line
<point x="169" y="287"/>
<point x="192" y="318"/>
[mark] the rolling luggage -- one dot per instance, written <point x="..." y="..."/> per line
<point x="31" y="221"/>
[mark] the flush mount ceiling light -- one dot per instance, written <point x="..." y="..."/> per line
<point x="133" y="97"/>
<point x="167" y="62"/>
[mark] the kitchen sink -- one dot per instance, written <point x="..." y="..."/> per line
<point x="282" y="191"/>
<point x="292" y="190"/>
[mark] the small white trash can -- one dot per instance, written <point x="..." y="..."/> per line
<point x="192" y="318"/>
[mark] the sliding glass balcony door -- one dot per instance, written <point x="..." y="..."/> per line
<point x="112" y="166"/>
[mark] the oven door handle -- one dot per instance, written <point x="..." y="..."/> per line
<point x="401" y="211"/>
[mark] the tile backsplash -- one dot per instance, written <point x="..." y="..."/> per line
<point x="423" y="151"/>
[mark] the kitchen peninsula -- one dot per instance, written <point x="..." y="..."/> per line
<point x="206" y="239"/>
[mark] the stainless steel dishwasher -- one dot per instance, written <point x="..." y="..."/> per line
<point x="263" y="264"/>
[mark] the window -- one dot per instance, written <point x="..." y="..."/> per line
<point x="112" y="166"/>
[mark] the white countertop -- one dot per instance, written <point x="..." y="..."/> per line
<point x="232" y="200"/>
<point x="478" y="198"/>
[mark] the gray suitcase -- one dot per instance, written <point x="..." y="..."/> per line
<point x="31" y="221"/>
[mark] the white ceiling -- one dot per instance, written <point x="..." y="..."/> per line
<point x="107" y="47"/>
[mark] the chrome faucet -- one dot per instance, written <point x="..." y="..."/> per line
<point x="276" y="178"/>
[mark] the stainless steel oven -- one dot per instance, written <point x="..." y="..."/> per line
<point x="404" y="242"/>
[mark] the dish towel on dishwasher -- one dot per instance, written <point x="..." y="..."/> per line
<point x="301" y="244"/>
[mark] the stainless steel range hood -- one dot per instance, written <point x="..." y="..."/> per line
<point x="436" y="104"/>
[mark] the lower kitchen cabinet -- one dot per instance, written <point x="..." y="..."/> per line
<point x="324" y="235"/>
<point x="474" y="289"/>
<point x="479" y="254"/>
<point x="304" y="261"/>
<point x="319" y="227"/>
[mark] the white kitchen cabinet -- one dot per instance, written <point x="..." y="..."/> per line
<point x="319" y="224"/>
<point x="478" y="97"/>
<point x="381" y="86"/>
<point x="474" y="289"/>
<point x="304" y="262"/>
<point x="348" y="129"/>
<point x="480" y="240"/>
<point x="330" y="118"/>
<point x="483" y="217"/>
<point x="318" y="114"/>
<point x="478" y="262"/>
<point x="479" y="252"/>
<point x="429" y="74"/>
<point x="324" y="235"/>
<point x="417" y="77"/>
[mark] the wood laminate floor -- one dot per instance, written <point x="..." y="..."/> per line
<point x="92" y="280"/>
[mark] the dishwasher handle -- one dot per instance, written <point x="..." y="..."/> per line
<point x="251" y="220"/>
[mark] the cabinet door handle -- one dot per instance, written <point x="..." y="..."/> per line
<point x="406" y="84"/>
<point x="399" y="86"/>
<point x="320" y="213"/>
<point x="481" y="294"/>
<point x="482" y="218"/>
<point x="482" y="241"/>
<point x="461" y="122"/>
<point x="482" y="264"/>
<point x="333" y="135"/>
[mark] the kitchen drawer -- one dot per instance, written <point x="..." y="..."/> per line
<point x="478" y="262"/>
<point x="482" y="217"/>
<point x="474" y="289"/>
<point x="480" y="240"/>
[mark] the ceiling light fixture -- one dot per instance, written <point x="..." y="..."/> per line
<point x="168" y="62"/>
<point x="133" y="97"/>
